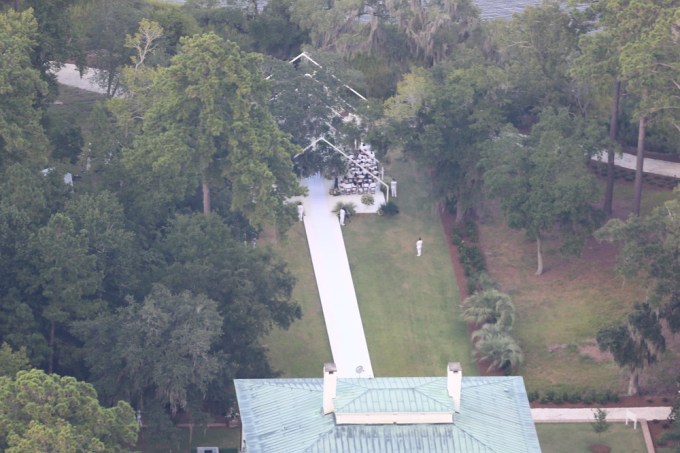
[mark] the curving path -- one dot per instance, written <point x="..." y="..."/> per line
<point x="653" y="166"/>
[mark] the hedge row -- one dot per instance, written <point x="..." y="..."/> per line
<point x="576" y="396"/>
<point x="465" y="237"/>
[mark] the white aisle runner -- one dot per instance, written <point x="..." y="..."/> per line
<point x="334" y="280"/>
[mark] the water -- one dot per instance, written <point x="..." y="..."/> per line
<point x="490" y="9"/>
<point x="503" y="9"/>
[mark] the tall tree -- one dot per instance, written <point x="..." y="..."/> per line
<point x="536" y="49"/>
<point x="252" y="287"/>
<point x="47" y="412"/>
<point x="598" y="65"/>
<point x="66" y="276"/>
<point x="102" y="26"/>
<point x="542" y="181"/>
<point x="635" y="344"/>
<point x="650" y="247"/>
<point x="649" y="61"/>
<point x="160" y="348"/>
<point x="446" y="124"/>
<point x="118" y="261"/>
<point x="22" y="138"/>
<point x="213" y="124"/>
<point x="11" y="362"/>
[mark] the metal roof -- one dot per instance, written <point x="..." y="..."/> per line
<point x="284" y="415"/>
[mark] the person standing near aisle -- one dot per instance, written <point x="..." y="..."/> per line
<point x="300" y="211"/>
<point x="419" y="247"/>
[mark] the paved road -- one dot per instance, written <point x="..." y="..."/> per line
<point x="334" y="281"/>
<point x="657" y="167"/>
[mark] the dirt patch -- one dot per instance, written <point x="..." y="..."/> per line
<point x="593" y="351"/>
<point x="599" y="448"/>
<point x="658" y="428"/>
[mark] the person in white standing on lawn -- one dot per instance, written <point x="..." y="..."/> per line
<point x="393" y="188"/>
<point x="301" y="211"/>
<point x="419" y="246"/>
<point x="342" y="213"/>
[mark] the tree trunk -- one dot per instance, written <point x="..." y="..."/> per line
<point x="639" y="162"/>
<point x="50" y="364"/>
<point x="613" y="132"/>
<point x="634" y="382"/>
<point x="206" y="197"/>
<point x="539" y="255"/>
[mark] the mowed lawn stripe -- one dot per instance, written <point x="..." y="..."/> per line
<point x="409" y="305"/>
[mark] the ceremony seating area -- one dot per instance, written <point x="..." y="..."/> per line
<point x="362" y="175"/>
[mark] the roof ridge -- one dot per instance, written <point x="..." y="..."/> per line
<point x="439" y="403"/>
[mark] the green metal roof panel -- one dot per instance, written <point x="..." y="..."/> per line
<point x="392" y="395"/>
<point x="284" y="415"/>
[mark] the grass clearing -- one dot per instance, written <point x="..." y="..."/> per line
<point x="72" y="107"/>
<point x="560" y="312"/>
<point x="409" y="305"/>
<point x="578" y="437"/>
<point x="301" y="350"/>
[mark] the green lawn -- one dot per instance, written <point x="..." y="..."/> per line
<point x="73" y="107"/>
<point x="651" y="197"/>
<point x="409" y="305"/>
<point x="559" y="313"/>
<point x="578" y="437"/>
<point x="301" y="350"/>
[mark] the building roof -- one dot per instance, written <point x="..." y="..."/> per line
<point x="285" y="415"/>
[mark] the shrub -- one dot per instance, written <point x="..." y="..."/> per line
<point x="533" y="395"/>
<point x="550" y="395"/>
<point x="588" y="397"/>
<point x="390" y="208"/>
<point x="471" y="285"/>
<point x="367" y="199"/>
<point x="612" y="396"/>
<point x="471" y="231"/>
<point x="456" y="238"/>
<point x="601" y="398"/>
<point x="350" y="208"/>
<point x="472" y="260"/>
<point x="575" y="397"/>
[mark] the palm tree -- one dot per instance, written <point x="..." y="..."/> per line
<point x="502" y="352"/>
<point x="489" y="306"/>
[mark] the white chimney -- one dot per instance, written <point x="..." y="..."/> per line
<point x="330" y="383"/>
<point x="454" y="383"/>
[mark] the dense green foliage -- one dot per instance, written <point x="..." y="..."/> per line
<point x="142" y="277"/>
<point x="41" y="412"/>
